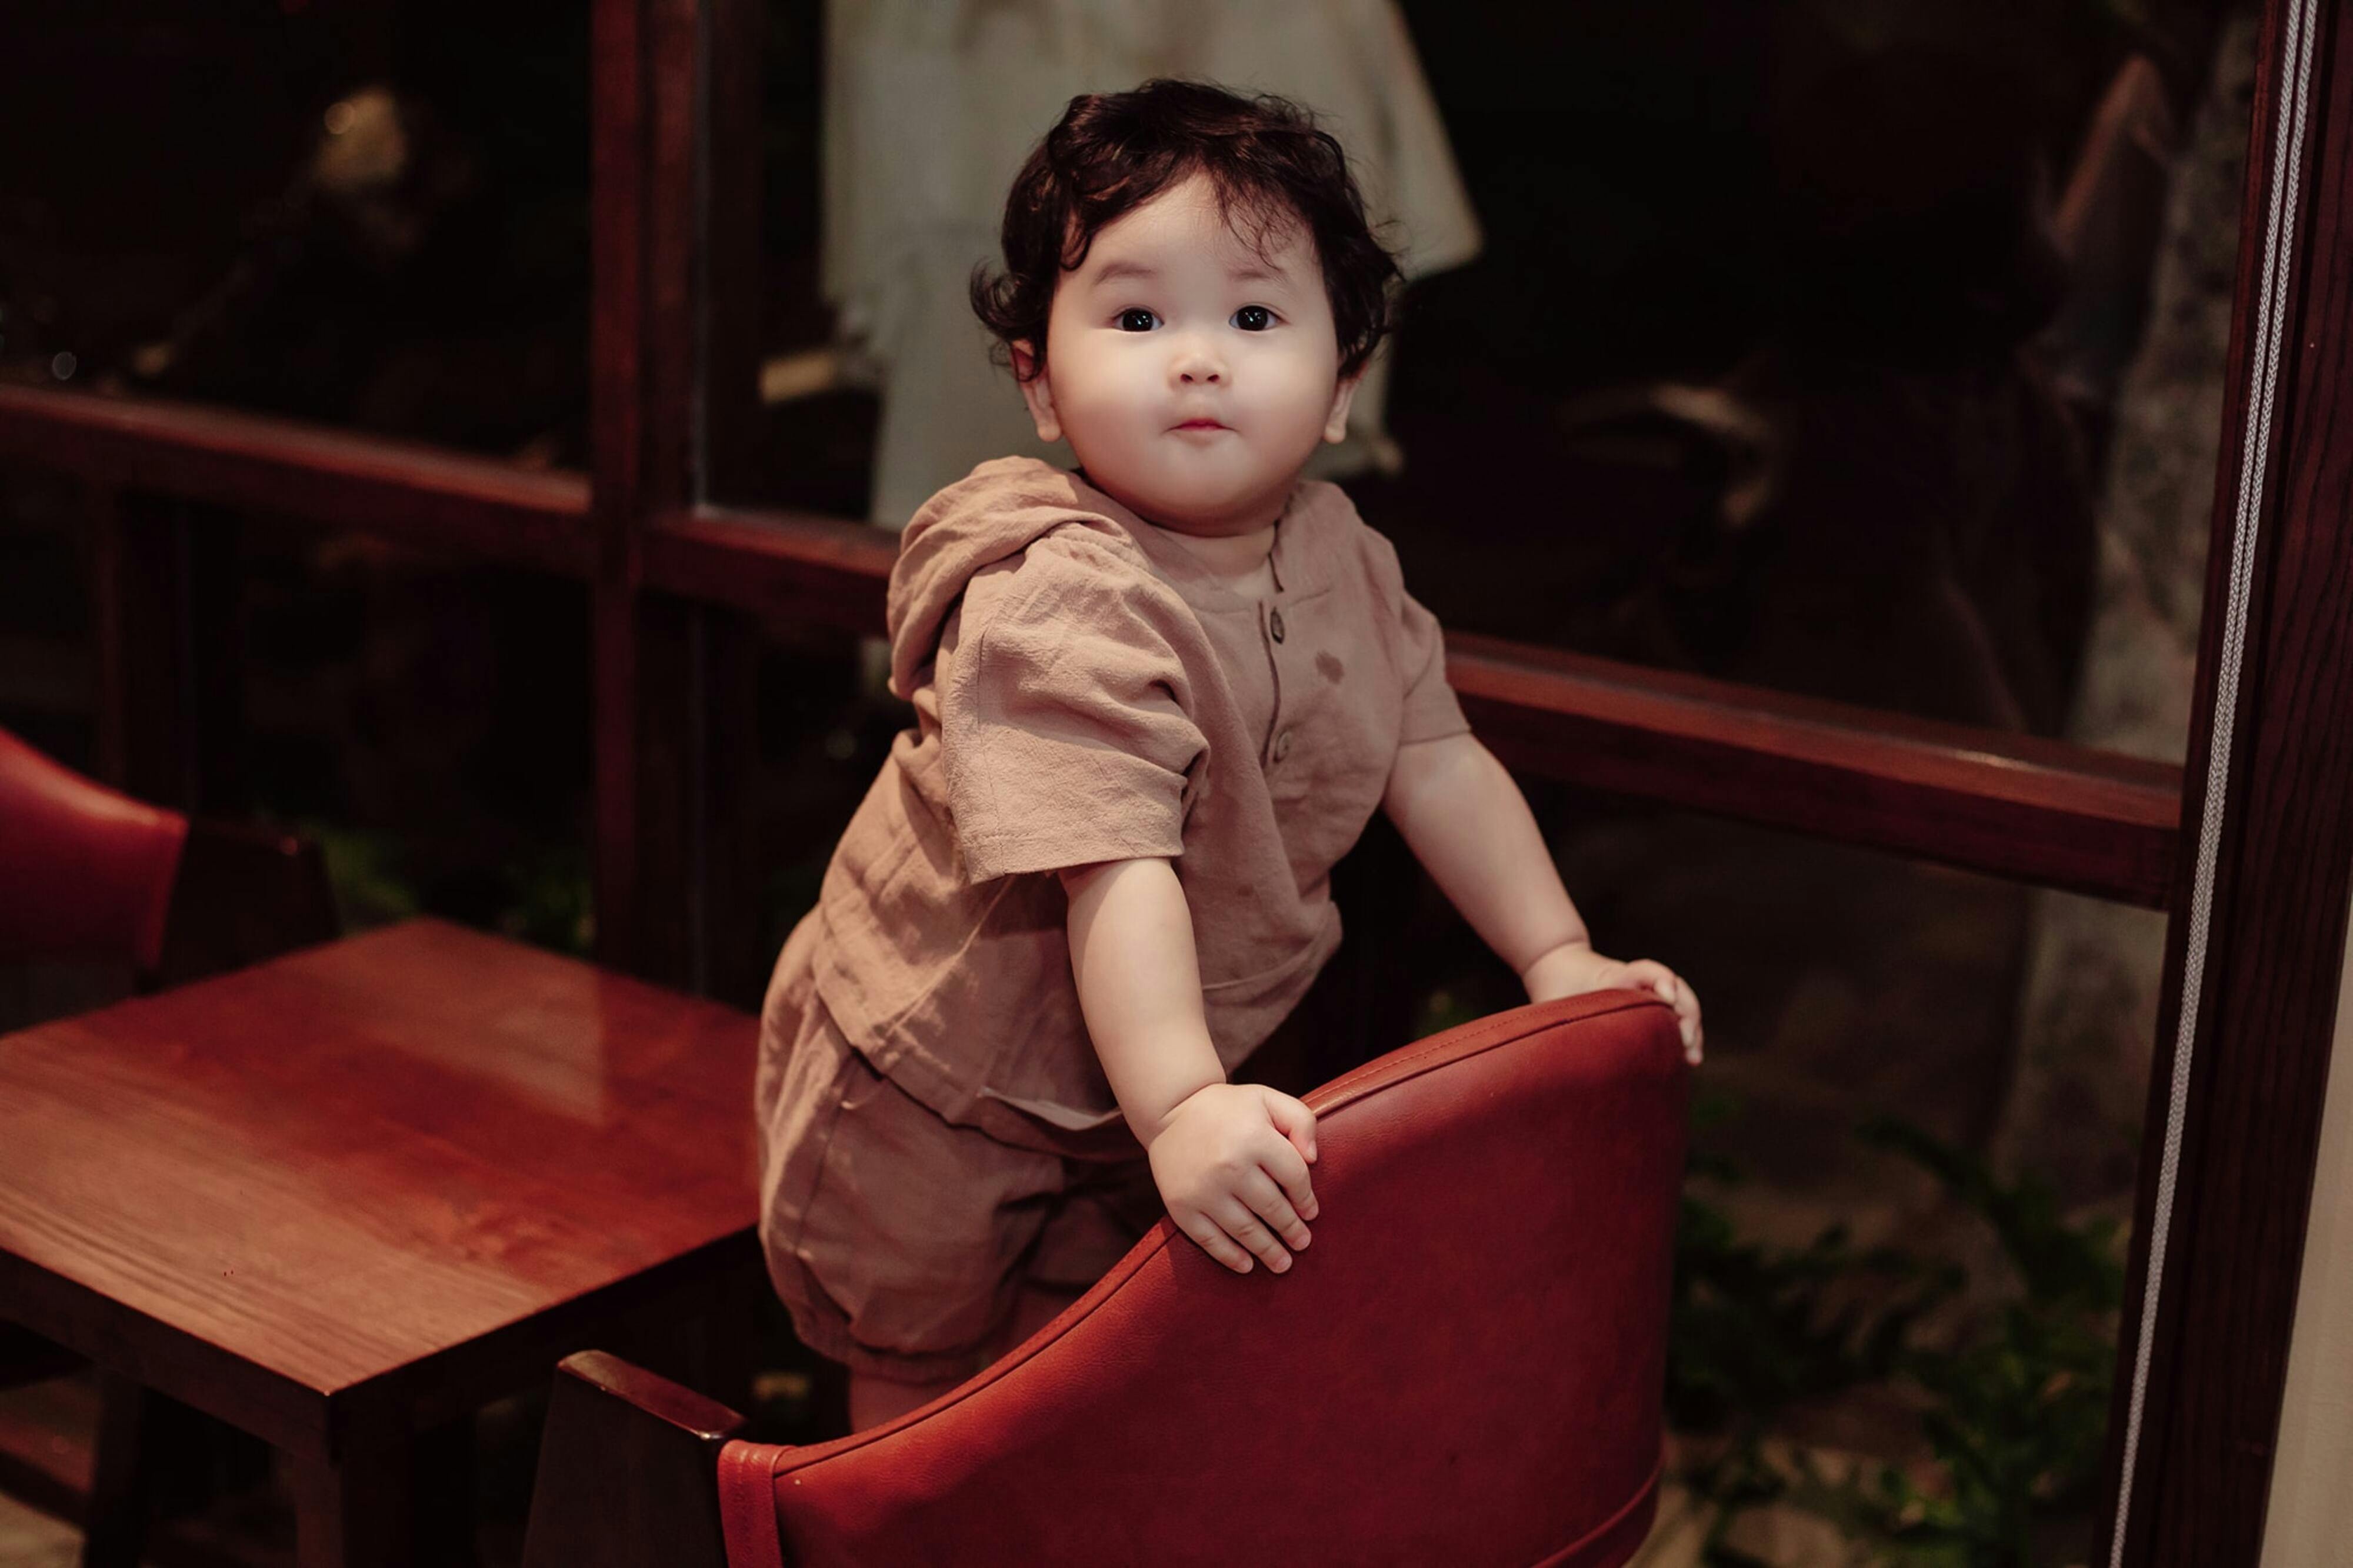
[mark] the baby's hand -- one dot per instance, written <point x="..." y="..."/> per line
<point x="1573" y="970"/>
<point x="1231" y="1164"/>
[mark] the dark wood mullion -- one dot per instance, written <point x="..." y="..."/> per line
<point x="167" y="614"/>
<point x="2262" y="1035"/>
<point x="211" y="663"/>
<point x="673" y="206"/>
<point x="670" y="917"/>
<point x="134" y="615"/>
<point x="620" y="326"/>
<point x="2127" y="1499"/>
<point x="730" y="952"/>
<point x="733" y="335"/>
<point x="145" y="596"/>
<point x="477" y="507"/>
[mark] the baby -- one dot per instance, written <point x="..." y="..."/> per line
<point x="1156" y="699"/>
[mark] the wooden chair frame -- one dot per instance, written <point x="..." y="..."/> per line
<point x="2249" y="848"/>
<point x="629" y="1472"/>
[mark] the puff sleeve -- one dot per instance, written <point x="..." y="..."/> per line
<point x="1065" y="734"/>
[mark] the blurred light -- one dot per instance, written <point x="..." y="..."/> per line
<point x="805" y="374"/>
<point x="63" y="366"/>
<point x="367" y="148"/>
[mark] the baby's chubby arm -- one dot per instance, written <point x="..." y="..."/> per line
<point x="1470" y="827"/>
<point x="1230" y="1160"/>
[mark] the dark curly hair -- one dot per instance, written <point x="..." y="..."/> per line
<point x="1113" y="151"/>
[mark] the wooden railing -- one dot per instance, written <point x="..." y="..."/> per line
<point x="477" y="507"/>
<point x="2005" y="805"/>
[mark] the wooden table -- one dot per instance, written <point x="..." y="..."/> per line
<point x="341" y="1198"/>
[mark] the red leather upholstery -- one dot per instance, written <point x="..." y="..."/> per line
<point x="84" y="872"/>
<point x="1465" y="1368"/>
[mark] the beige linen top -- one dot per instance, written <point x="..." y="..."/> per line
<point x="1086" y="689"/>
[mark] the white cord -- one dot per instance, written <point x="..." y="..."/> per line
<point x="2279" y="239"/>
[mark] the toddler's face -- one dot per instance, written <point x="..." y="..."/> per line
<point x="1192" y="376"/>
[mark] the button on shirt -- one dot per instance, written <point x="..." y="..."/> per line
<point x="1087" y="689"/>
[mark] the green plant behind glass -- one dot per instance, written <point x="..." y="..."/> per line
<point x="2014" y="1412"/>
<point x="2017" y="1413"/>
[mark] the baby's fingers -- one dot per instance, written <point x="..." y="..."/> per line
<point x="1657" y="978"/>
<point x="1686" y="1006"/>
<point x="1649" y="974"/>
<point x="1687" y="1010"/>
<point x="1287" y="1171"/>
<point x="1252" y="1233"/>
<point x="1292" y="1120"/>
<point x="1262" y="1197"/>
<point x="1214" y="1241"/>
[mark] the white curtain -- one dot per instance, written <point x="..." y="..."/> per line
<point x="931" y="105"/>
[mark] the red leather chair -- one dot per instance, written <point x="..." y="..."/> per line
<point x="1466" y="1368"/>
<point x="88" y="873"/>
<point x="84" y="872"/>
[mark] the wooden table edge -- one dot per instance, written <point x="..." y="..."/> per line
<point x="414" y="1396"/>
<point x="278" y="1409"/>
<point x="517" y="1355"/>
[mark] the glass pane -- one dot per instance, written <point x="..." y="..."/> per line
<point x="427" y="721"/>
<point x="1866" y="350"/>
<point x="1869" y="352"/>
<point x="372" y="215"/>
<point x="424" y="720"/>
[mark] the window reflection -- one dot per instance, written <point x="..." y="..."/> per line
<point x="371" y="216"/>
<point x="1808" y="344"/>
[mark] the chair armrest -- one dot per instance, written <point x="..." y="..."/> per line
<point x="628" y="1471"/>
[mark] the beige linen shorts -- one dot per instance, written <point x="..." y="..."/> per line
<point x="897" y="1240"/>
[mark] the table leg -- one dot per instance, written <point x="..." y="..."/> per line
<point x="354" y="1510"/>
<point x="708" y="1340"/>
<point x="122" y="1486"/>
<point x="442" y="1481"/>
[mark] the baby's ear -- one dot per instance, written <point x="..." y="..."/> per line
<point x="1036" y="391"/>
<point x="1336" y="428"/>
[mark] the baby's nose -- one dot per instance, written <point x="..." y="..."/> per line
<point x="1197" y="363"/>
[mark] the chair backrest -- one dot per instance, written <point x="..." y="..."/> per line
<point x="1466" y="1368"/>
<point x="85" y="872"/>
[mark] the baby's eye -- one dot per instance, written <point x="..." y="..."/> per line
<point x="1253" y="318"/>
<point x="1135" y="319"/>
